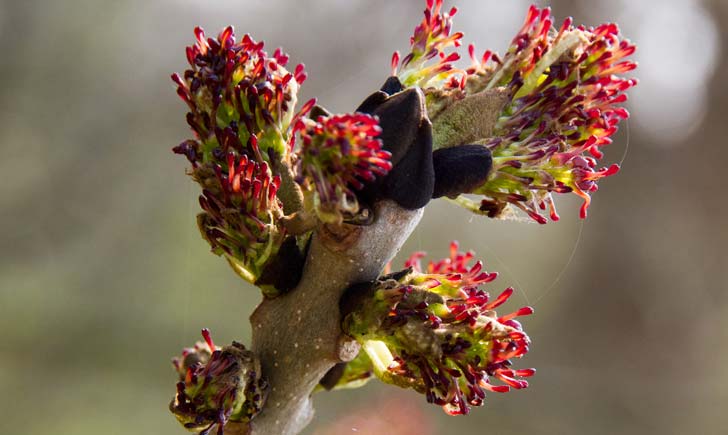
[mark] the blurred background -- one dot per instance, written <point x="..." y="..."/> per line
<point x="103" y="276"/>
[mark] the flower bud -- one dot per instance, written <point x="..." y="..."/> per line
<point x="430" y="42"/>
<point x="338" y="155"/>
<point x="241" y="212"/>
<point x="547" y="107"/>
<point x="217" y="386"/>
<point x="236" y="91"/>
<point x="436" y="331"/>
<point x="241" y="109"/>
<point x="566" y="91"/>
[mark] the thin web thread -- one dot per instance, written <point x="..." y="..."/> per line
<point x="188" y="269"/>
<point x="520" y="288"/>
<point x="566" y="266"/>
<point x="581" y="227"/>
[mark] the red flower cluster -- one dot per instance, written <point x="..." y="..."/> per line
<point x="565" y="89"/>
<point x="199" y="353"/>
<point x="241" y="103"/>
<point x="236" y="92"/>
<point x="337" y="155"/>
<point x="431" y="40"/>
<point x="436" y="331"/>
<point x="455" y="268"/>
<point x="241" y="214"/>
<point x="217" y="386"/>
<point x="565" y="107"/>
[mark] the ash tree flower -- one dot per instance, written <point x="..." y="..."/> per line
<point x="241" y="213"/>
<point x="217" y="386"/>
<point x="435" y="330"/>
<point x="241" y="103"/>
<point x="561" y="87"/>
<point x="565" y="94"/>
<point x="432" y="40"/>
<point x="338" y="154"/>
<point x="236" y="91"/>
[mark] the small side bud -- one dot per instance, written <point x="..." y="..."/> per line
<point x="407" y="135"/>
<point x="283" y="272"/>
<point x="392" y="85"/>
<point x="352" y="374"/>
<point x="217" y="386"/>
<point x="460" y="169"/>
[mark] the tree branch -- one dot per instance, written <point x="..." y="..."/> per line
<point x="298" y="336"/>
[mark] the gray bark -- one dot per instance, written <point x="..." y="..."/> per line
<point x="298" y="336"/>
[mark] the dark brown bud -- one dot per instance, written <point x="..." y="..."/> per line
<point x="460" y="169"/>
<point x="283" y="272"/>
<point x="407" y="134"/>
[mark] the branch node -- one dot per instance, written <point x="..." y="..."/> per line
<point x="347" y="348"/>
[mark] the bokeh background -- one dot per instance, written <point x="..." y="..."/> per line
<point x="103" y="276"/>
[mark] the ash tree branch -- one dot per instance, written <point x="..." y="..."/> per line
<point x="298" y="336"/>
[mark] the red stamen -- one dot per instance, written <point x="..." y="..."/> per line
<point x="395" y="62"/>
<point x="208" y="339"/>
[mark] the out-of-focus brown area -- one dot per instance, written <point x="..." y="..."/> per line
<point x="383" y="413"/>
<point x="103" y="276"/>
